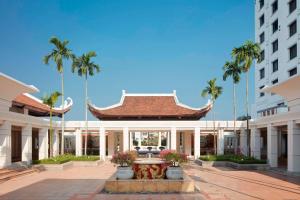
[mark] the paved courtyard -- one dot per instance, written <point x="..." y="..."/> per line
<point x="214" y="183"/>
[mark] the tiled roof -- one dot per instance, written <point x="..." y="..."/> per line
<point x="149" y="107"/>
<point x="36" y="107"/>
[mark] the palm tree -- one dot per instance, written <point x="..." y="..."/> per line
<point x="85" y="67"/>
<point x="51" y="100"/>
<point x="234" y="70"/>
<point x="214" y="92"/>
<point x="58" y="55"/>
<point x="245" y="55"/>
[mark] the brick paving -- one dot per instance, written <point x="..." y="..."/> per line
<point x="85" y="183"/>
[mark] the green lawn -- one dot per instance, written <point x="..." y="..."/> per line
<point x="65" y="158"/>
<point x="240" y="159"/>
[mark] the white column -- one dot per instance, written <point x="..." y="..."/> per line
<point x="272" y="144"/>
<point x="293" y="147"/>
<point x="27" y="144"/>
<point x="255" y="143"/>
<point x="243" y="142"/>
<point x="43" y="143"/>
<point x="78" y="133"/>
<point x="102" y="139"/>
<point x="197" y="147"/>
<point x="5" y="144"/>
<point x="173" y="138"/>
<point x="125" y="139"/>
<point x="168" y="140"/>
<point x="187" y="143"/>
<point x="220" y="142"/>
<point x="130" y="141"/>
<point x="55" y="142"/>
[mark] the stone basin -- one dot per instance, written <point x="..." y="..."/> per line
<point x="150" y="168"/>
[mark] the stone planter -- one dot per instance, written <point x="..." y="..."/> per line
<point x="174" y="173"/>
<point x="124" y="173"/>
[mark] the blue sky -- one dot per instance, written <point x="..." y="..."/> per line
<point x="143" y="47"/>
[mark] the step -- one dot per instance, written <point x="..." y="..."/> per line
<point x="16" y="174"/>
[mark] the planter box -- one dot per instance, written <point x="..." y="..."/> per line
<point x="67" y="165"/>
<point x="113" y="185"/>
<point x="232" y="165"/>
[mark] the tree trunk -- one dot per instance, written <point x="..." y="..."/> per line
<point x="51" y="135"/>
<point x="63" y="115"/>
<point x="215" y="137"/>
<point x="247" y="105"/>
<point x="86" y="120"/>
<point x="234" y="110"/>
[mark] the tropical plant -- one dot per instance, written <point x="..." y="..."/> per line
<point x="124" y="159"/>
<point x="85" y="67"/>
<point x="232" y="69"/>
<point x="214" y="92"/>
<point x="51" y="100"/>
<point x="58" y="55"/>
<point x="245" y="55"/>
<point x="173" y="157"/>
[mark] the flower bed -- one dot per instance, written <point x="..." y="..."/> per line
<point x="240" y="159"/>
<point x="65" y="158"/>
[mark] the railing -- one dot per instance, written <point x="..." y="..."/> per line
<point x="273" y="111"/>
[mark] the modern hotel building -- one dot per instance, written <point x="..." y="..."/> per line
<point x="275" y="130"/>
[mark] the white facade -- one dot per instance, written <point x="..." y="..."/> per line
<point x="265" y="75"/>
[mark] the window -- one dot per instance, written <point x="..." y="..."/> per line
<point x="275" y="6"/>
<point x="275" y="65"/>
<point x="293" y="28"/>
<point x="261" y="94"/>
<point x="275" y="26"/>
<point x="262" y="55"/>
<point x="261" y="4"/>
<point x="275" y="46"/>
<point x="293" y="71"/>
<point x="293" y="51"/>
<point x="292" y="5"/>
<point x="262" y="73"/>
<point x="262" y="37"/>
<point x="275" y="81"/>
<point x="261" y="20"/>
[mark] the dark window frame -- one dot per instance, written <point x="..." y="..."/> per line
<point x="293" y="72"/>
<point x="292" y="9"/>
<point x="275" y="46"/>
<point x="275" y="26"/>
<point x="275" y="81"/>
<point x="275" y="67"/>
<point x="291" y="54"/>
<point x="262" y="74"/>
<point x="261" y="20"/>
<point x="291" y="33"/>
<point x="262" y="37"/>
<point x="261" y="4"/>
<point x="274" y="8"/>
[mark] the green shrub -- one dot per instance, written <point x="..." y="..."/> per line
<point x="65" y="158"/>
<point x="240" y="159"/>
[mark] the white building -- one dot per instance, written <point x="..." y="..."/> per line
<point x="150" y="122"/>
<point x="275" y="131"/>
<point x="276" y="23"/>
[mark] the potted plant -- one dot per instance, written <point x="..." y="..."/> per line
<point x="174" y="171"/>
<point x="124" y="160"/>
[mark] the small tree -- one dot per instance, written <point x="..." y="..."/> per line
<point x="51" y="100"/>
<point x="58" y="55"/>
<point x="214" y="92"/>
<point x="85" y="67"/>
<point x="232" y="69"/>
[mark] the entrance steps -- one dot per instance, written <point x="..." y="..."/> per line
<point x="14" y="171"/>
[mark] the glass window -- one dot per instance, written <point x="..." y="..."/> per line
<point x="275" y="46"/>
<point x="274" y="6"/>
<point x="275" y="26"/>
<point x="293" y="71"/>
<point x="261" y="20"/>
<point x="262" y="37"/>
<point x="275" y="65"/>
<point x="293" y="28"/>
<point x="261" y="4"/>
<point x="293" y="51"/>
<point x="292" y="5"/>
<point x="275" y="81"/>
<point x="262" y="73"/>
<point x="262" y="55"/>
